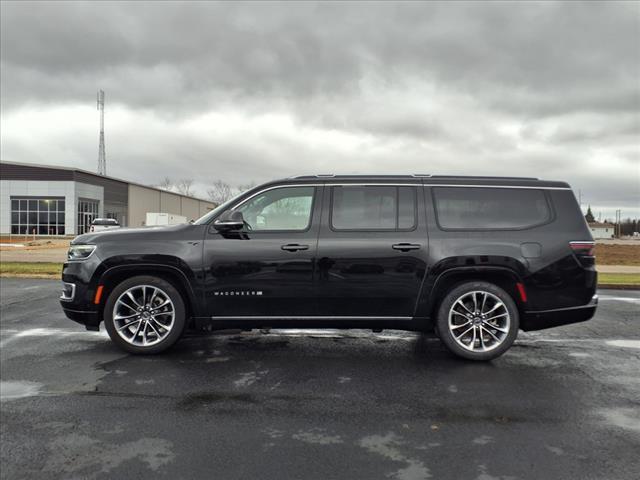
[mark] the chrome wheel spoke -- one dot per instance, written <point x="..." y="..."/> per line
<point x="464" y="333"/>
<point x="463" y="306"/>
<point x="496" y="316"/>
<point x="455" y="327"/>
<point x="495" y="327"/>
<point x="127" y="325"/>
<point x="153" y="297"/>
<point x="484" y="301"/>
<point x="481" y="337"/>
<point x="495" y="307"/>
<point x="154" y="329"/>
<point x="144" y="325"/>
<point x="127" y="305"/>
<point x="132" y="298"/>
<point x="490" y="333"/>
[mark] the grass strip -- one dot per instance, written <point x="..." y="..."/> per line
<point x="35" y="269"/>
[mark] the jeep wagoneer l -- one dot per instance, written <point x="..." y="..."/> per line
<point x="474" y="258"/>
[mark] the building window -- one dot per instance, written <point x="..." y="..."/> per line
<point x="37" y="216"/>
<point x="87" y="213"/>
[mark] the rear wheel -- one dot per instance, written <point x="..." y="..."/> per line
<point x="145" y="315"/>
<point x="478" y="321"/>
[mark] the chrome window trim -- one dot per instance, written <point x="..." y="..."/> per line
<point x="391" y="184"/>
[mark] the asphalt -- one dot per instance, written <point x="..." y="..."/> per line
<point x="561" y="404"/>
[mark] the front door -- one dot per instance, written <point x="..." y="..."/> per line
<point x="266" y="269"/>
<point x="372" y="252"/>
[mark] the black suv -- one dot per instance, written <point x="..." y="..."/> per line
<point x="475" y="258"/>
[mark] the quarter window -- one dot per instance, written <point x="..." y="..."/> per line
<point x="287" y="208"/>
<point x="468" y="208"/>
<point x="373" y="208"/>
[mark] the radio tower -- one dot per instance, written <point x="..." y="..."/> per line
<point x="102" y="159"/>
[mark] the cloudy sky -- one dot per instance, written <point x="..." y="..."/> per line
<point x="255" y="91"/>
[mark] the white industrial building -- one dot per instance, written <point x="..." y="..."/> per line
<point x="601" y="231"/>
<point x="48" y="200"/>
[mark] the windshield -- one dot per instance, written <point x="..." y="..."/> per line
<point x="206" y="218"/>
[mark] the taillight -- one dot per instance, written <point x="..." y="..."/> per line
<point x="584" y="251"/>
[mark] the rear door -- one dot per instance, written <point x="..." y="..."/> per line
<point x="372" y="250"/>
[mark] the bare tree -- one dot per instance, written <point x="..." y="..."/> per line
<point x="165" y="184"/>
<point x="245" y="187"/>
<point x="184" y="186"/>
<point x="220" y="192"/>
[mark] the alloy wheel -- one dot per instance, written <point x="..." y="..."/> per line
<point x="143" y="315"/>
<point x="479" y="321"/>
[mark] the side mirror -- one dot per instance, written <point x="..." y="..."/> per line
<point x="229" y="221"/>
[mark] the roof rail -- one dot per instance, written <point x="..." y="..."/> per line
<point x="486" y="177"/>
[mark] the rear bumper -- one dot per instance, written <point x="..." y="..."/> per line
<point x="538" y="320"/>
<point x="91" y="320"/>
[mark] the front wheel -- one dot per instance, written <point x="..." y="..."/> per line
<point x="145" y="315"/>
<point x="478" y="321"/>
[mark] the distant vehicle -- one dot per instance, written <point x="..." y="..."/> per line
<point x="474" y="258"/>
<point x="164" y="219"/>
<point x="100" y="224"/>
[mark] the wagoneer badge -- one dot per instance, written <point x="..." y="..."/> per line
<point x="239" y="292"/>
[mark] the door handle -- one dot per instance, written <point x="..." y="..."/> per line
<point x="405" y="247"/>
<point x="294" y="247"/>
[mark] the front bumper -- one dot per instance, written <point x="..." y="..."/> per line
<point x="540" y="319"/>
<point x="91" y="320"/>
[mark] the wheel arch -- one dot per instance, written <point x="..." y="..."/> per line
<point x="113" y="276"/>
<point x="503" y="277"/>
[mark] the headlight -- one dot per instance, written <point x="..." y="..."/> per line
<point x="80" y="252"/>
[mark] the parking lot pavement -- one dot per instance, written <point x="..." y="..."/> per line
<point x="562" y="403"/>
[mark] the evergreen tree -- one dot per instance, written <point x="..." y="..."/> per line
<point x="589" y="216"/>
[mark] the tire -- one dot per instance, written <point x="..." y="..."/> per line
<point x="154" y="329"/>
<point x="481" y="338"/>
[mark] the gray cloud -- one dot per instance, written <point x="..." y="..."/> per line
<point x="462" y="87"/>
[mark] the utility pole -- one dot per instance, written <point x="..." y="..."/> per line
<point x="102" y="159"/>
<point x="618" y="223"/>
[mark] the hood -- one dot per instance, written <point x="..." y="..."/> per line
<point x="121" y="234"/>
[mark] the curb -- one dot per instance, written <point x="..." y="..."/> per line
<point x="622" y="286"/>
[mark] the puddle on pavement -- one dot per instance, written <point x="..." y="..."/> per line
<point x="624" y="343"/>
<point x="13" y="390"/>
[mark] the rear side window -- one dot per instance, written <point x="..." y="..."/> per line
<point x="468" y="208"/>
<point x="373" y="208"/>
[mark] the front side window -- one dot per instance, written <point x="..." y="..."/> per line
<point x="286" y="208"/>
<point x="468" y="208"/>
<point x="373" y="208"/>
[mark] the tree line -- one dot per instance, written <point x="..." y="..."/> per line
<point x="627" y="226"/>
<point x="218" y="192"/>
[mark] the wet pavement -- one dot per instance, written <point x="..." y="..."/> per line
<point x="562" y="403"/>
